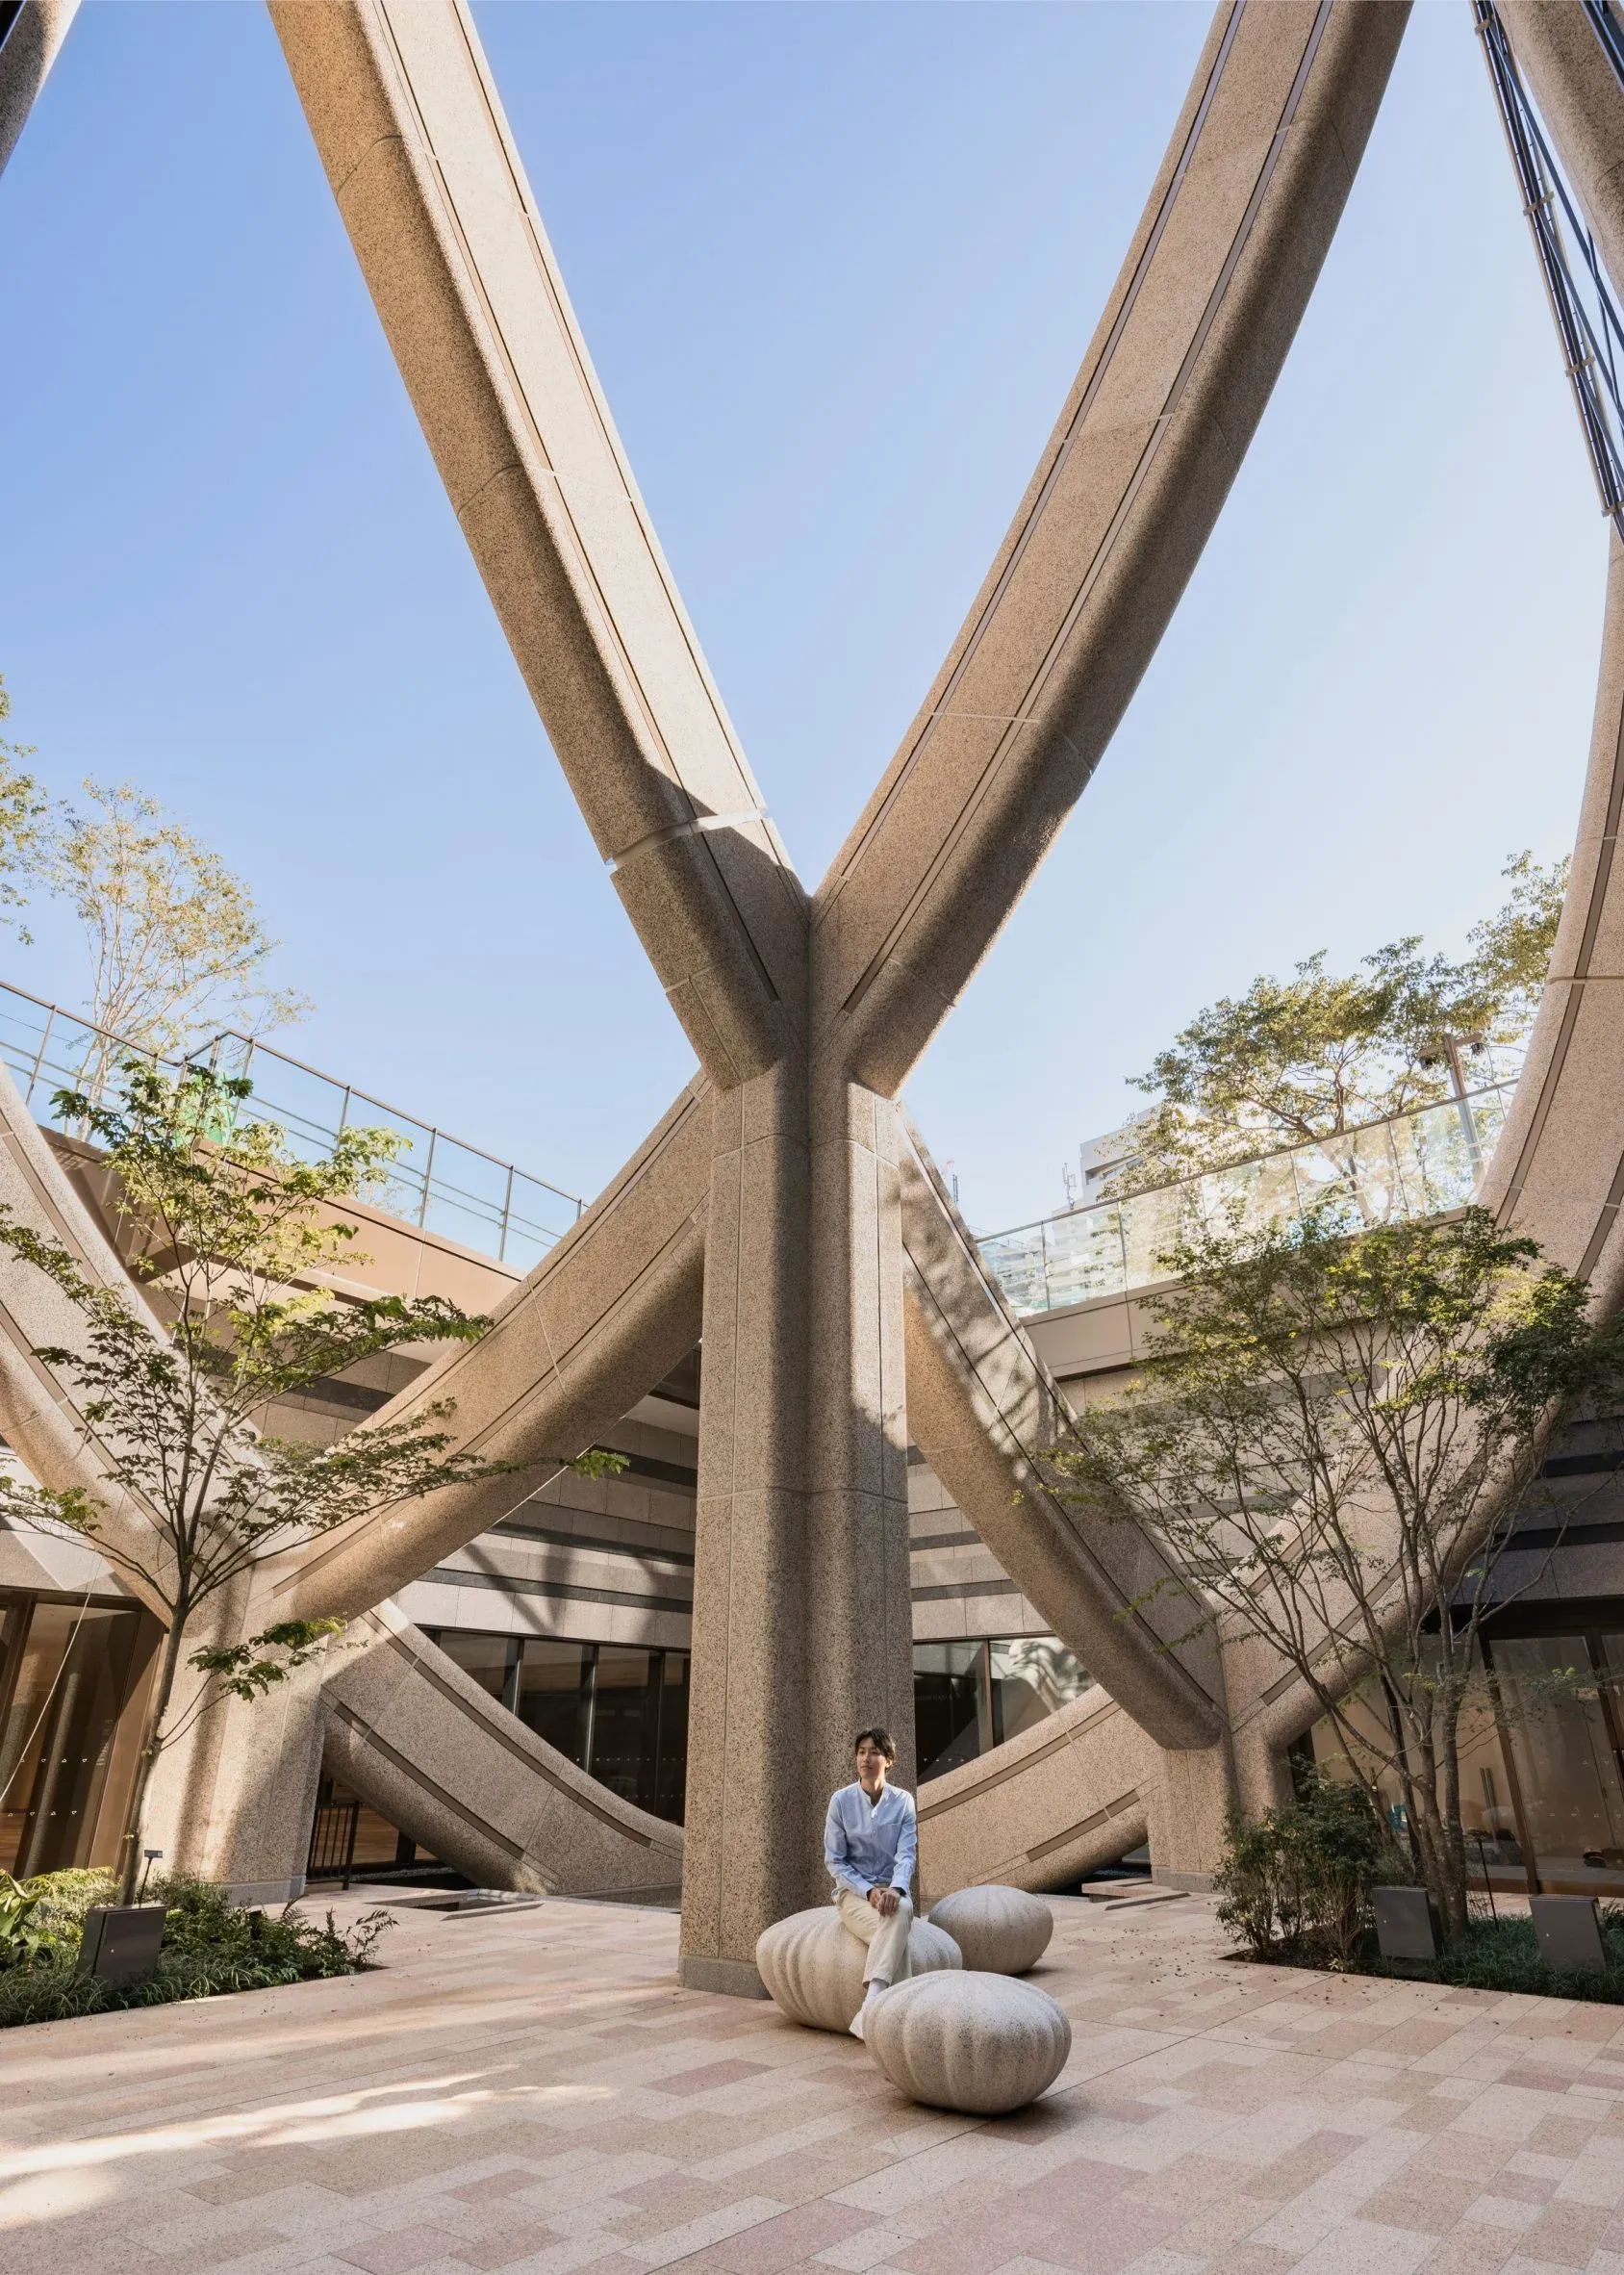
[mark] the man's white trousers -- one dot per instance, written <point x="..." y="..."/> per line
<point x="887" y="1939"/>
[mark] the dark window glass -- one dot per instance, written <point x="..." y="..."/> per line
<point x="670" y="1778"/>
<point x="622" y="1719"/>
<point x="492" y="1661"/>
<point x="555" y="1693"/>
<point x="951" y="1705"/>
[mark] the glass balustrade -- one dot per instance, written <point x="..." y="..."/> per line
<point x="1416" y="1164"/>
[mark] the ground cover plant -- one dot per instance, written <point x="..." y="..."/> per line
<point x="1294" y="1889"/>
<point x="210" y="1946"/>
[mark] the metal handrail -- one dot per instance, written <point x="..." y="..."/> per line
<point x="437" y="1198"/>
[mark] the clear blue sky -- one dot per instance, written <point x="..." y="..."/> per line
<point x="836" y="264"/>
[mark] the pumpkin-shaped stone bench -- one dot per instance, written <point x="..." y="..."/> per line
<point x="983" y="2044"/>
<point x="813" y="1968"/>
<point x="1000" y="1930"/>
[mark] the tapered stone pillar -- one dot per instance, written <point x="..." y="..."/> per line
<point x="1186" y="1811"/>
<point x="803" y="1621"/>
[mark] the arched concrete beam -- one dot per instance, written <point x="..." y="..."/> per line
<point x="420" y="1740"/>
<point x="441" y="216"/>
<point x="984" y="1410"/>
<point x="1066" y="1796"/>
<point x="599" y="1320"/>
<point x="39" y="1409"/>
<point x="1567" y="73"/>
<point x="27" y="48"/>
<point x="1112" y="524"/>
<point x="1557" y="1172"/>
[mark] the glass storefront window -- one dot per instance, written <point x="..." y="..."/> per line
<point x="671" y="1769"/>
<point x="972" y="1696"/>
<point x="952" y="1708"/>
<point x="492" y="1661"/>
<point x="1566" y="1761"/>
<point x="1032" y="1676"/>
<point x="614" y="1710"/>
<point x="65" y="1681"/>
<point x="555" y="1693"/>
<point x="622" y="1724"/>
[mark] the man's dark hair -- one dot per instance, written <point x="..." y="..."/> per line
<point x="883" y="1739"/>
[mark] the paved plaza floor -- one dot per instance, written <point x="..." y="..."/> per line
<point x="533" y="2092"/>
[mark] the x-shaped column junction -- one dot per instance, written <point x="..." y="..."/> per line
<point x="767" y="1211"/>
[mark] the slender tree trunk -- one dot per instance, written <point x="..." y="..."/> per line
<point x="152" y="1745"/>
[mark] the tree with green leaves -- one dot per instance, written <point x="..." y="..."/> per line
<point x="232" y="1239"/>
<point x="176" y="943"/>
<point x="1310" y="1061"/>
<point x="1331" y="1436"/>
<point x="24" y="817"/>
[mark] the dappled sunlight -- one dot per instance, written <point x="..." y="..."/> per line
<point x="54" y="2196"/>
<point x="52" y="2179"/>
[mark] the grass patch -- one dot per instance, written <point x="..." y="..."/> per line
<point x="210" y="1946"/>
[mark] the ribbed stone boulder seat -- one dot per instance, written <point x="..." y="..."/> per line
<point x="1000" y="1930"/>
<point x="813" y="1968"/>
<point x="983" y="2044"/>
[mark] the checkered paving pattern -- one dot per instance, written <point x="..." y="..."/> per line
<point x="533" y="2095"/>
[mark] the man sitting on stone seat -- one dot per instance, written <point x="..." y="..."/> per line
<point x="871" y="1842"/>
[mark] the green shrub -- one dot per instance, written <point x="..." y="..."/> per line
<point x="66" y="1896"/>
<point x="210" y="1946"/>
<point x="1296" y="1885"/>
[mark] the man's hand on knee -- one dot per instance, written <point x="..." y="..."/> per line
<point x="884" y="1900"/>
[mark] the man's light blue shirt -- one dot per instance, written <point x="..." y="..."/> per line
<point x="870" y="1845"/>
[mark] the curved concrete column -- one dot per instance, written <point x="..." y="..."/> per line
<point x="984" y="1411"/>
<point x="28" y="49"/>
<point x="1566" y="71"/>
<point x="434" y="197"/>
<point x="1557" y="1172"/>
<point x="599" y="1320"/>
<point x="419" y="1739"/>
<point x="1118" y="510"/>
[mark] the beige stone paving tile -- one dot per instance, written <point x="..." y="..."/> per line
<point x="1566" y="2233"/>
<point x="1433" y="2200"/>
<point x="1250" y="2259"/>
<point x="1364" y="2247"/>
<point x="678" y="2242"/>
<point x="1226" y="2219"/>
<point x="1596" y="2176"/>
<point x="865" y="2248"/>
<point x="778" y="2147"/>
<point x="1330" y="2202"/>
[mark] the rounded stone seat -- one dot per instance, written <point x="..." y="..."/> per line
<point x="1000" y="1930"/>
<point x="813" y="1967"/>
<point x="983" y="2044"/>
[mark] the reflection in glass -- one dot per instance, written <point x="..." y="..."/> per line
<point x="555" y="1693"/>
<point x="1417" y="1164"/>
<point x="1032" y="1678"/>
<point x="492" y="1660"/>
<point x="1573" y="1806"/>
<point x="972" y="1696"/>
<point x="73" y="1670"/>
